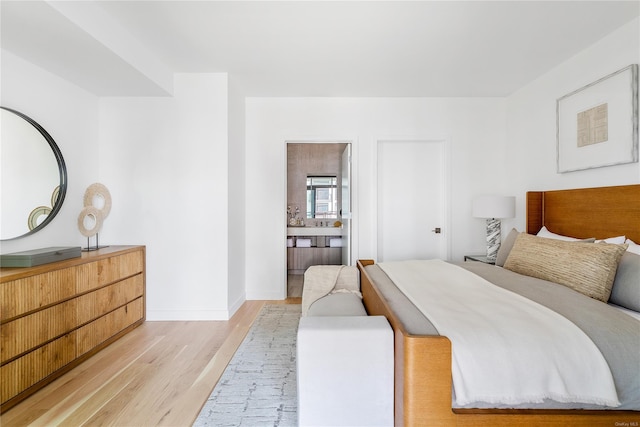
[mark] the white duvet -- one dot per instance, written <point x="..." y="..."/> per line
<point x="506" y="349"/>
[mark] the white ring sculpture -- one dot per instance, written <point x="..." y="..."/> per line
<point x="90" y="211"/>
<point x="99" y="190"/>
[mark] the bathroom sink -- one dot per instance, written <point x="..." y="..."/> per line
<point x="314" y="231"/>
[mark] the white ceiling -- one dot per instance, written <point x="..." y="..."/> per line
<point x="308" y="48"/>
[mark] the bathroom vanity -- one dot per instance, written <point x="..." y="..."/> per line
<point x="307" y="246"/>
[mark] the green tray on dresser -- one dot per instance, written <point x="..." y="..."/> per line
<point x="41" y="256"/>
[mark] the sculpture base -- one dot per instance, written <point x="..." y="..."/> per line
<point x="493" y="239"/>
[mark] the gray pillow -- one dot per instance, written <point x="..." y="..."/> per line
<point x="626" y="285"/>
<point x="338" y="304"/>
<point x="505" y="247"/>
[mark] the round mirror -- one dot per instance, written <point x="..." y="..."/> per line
<point x="33" y="176"/>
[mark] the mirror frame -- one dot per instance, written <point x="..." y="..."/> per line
<point x="62" y="169"/>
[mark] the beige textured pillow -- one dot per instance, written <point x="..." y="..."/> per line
<point x="507" y="245"/>
<point x="588" y="268"/>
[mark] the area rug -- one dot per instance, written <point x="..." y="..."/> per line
<point x="258" y="387"/>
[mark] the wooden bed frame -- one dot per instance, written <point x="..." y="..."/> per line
<point x="423" y="363"/>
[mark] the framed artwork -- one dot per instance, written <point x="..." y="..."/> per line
<point x="597" y="125"/>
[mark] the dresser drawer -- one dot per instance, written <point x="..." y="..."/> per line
<point x="28" y="332"/>
<point x="98" y="331"/>
<point x="109" y="270"/>
<point x="33" y="367"/>
<point x="32" y="293"/>
<point x="93" y="305"/>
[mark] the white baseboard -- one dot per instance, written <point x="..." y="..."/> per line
<point x="234" y="306"/>
<point x="186" y="315"/>
<point x="269" y="296"/>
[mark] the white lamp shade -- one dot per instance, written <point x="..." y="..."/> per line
<point x="494" y="207"/>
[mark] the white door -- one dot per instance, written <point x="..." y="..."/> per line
<point x="346" y="205"/>
<point x="411" y="200"/>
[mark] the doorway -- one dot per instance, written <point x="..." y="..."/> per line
<point x="318" y="208"/>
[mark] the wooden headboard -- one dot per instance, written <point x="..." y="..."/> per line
<point x="586" y="212"/>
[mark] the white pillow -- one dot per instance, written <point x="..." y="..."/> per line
<point x="613" y="240"/>
<point x="633" y="246"/>
<point x="549" y="235"/>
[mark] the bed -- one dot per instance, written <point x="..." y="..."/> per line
<point x="424" y="392"/>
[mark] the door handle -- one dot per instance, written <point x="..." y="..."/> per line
<point x="437" y="230"/>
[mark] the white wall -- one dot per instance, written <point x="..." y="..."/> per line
<point x="237" y="212"/>
<point x="531" y="119"/>
<point x="70" y="116"/>
<point x="180" y="185"/>
<point x="475" y="130"/>
<point x="165" y="161"/>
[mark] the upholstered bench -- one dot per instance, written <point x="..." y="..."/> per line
<point x="345" y="365"/>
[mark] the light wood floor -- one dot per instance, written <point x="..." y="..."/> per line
<point x="161" y="373"/>
<point x="295" y="283"/>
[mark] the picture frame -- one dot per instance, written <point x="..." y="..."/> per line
<point x="597" y="125"/>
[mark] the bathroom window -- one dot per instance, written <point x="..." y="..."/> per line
<point x="322" y="197"/>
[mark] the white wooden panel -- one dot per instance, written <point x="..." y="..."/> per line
<point x="411" y="204"/>
<point x="346" y="205"/>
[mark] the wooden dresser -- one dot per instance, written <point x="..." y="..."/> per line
<point x="55" y="316"/>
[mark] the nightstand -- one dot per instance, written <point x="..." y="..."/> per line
<point x="479" y="258"/>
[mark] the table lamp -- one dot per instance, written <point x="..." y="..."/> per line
<point x="493" y="208"/>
